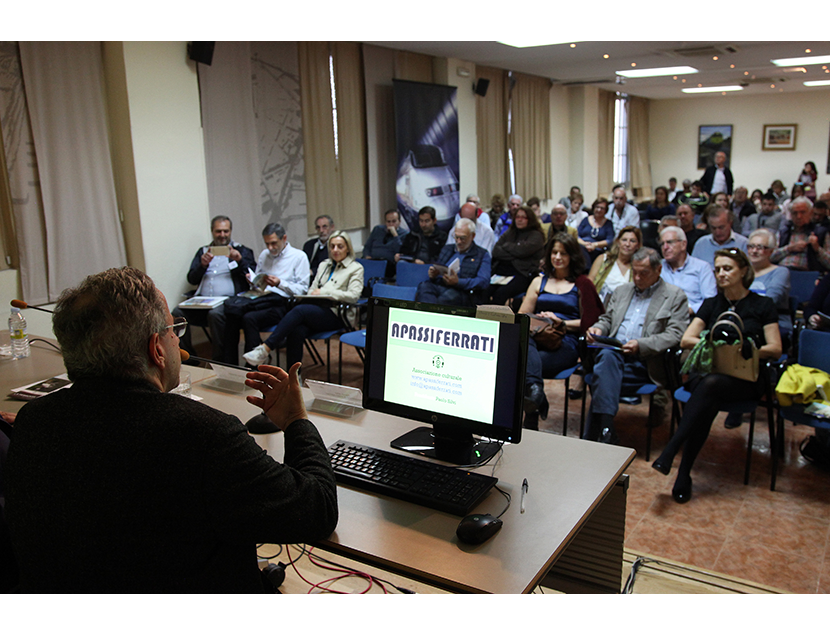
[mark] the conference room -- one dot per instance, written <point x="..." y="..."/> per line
<point x="168" y="142"/>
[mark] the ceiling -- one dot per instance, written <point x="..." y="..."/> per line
<point x="584" y="64"/>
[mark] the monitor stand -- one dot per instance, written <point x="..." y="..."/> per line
<point x="454" y="447"/>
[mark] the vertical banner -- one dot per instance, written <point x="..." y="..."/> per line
<point x="426" y="132"/>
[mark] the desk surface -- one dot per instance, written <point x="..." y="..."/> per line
<point x="568" y="478"/>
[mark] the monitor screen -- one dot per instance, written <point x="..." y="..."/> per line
<point x="444" y="366"/>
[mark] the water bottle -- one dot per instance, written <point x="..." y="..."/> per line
<point x="19" y="335"/>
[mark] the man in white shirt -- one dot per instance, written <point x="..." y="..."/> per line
<point x="691" y="274"/>
<point x="721" y="237"/>
<point x="718" y="177"/>
<point x="622" y="213"/>
<point x="287" y="273"/>
<point x="484" y="237"/>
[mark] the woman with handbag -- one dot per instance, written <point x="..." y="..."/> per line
<point x="565" y="304"/>
<point x="759" y="319"/>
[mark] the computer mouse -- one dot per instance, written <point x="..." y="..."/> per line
<point x="476" y="528"/>
<point x="261" y="424"/>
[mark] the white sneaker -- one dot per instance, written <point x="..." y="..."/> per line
<point x="257" y="356"/>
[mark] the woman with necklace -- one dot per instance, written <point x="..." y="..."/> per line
<point x="596" y="232"/>
<point x="734" y="275"/>
<point x="561" y="294"/>
<point x="613" y="268"/>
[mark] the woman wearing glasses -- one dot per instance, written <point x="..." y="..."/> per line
<point x="734" y="275"/>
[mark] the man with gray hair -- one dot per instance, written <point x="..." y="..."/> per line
<point x="136" y="490"/>
<point x="691" y="274"/>
<point x="648" y="316"/>
<point x="622" y="213"/>
<point x="285" y="273"/>
<point x="463" y="270"/>
<point x="802" y="245"/>
<point x="513" y="204"/>
<point x="721" y="236"/>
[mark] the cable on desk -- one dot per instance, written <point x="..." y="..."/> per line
<point x="40" y="339"/>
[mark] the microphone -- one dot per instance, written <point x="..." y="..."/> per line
<point x="186" y="356"/>
<point x="20" y="304"/>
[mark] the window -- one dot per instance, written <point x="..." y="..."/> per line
<point x="622" y="172"/>
<point x="334" y="109"/>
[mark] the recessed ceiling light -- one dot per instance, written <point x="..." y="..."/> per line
<point x="772" y="85"/>
<point x="715" y="57"/>
<point x="606" y="56"/>
<point x="818" y="82"/>
<point x="526" y="42"/>
<point x="633" y="64"/>
<point x="808" y="50"/>
<point x="731" y="66"/>
<point x="573" y="46"/>
<point x="802" y="61"/>
<point x="712" y="89"/>
<point x="658" y="72"/>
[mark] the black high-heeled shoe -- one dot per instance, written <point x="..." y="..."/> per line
<point x="682" y="493"/>
<point x="660" y="466"/>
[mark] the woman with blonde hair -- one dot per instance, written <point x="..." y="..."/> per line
<point x="613" y="268"/>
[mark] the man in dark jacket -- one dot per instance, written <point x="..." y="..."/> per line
<point x="424" y="246"/>
<point x="217" y="269"/>
<point x="718" y="177"/>
<point x="464" y="270"/>
<point x="114" y="485"/>
<point x="317" y="248"/>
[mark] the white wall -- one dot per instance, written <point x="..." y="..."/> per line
<point x="673" y="132"/>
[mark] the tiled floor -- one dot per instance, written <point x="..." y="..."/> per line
<point x="775" y="538"/>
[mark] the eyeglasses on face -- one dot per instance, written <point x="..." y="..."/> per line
<point x="752" y="247"/>
<point x="670" y="242"/>
<point x="179" y="326"/>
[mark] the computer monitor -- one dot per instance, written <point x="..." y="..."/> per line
<point x="444" y="366"/>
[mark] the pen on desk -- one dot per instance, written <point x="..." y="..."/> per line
<point x="524" y="492"/>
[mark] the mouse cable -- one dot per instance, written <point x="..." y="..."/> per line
<point x="316" y="559"/>
<point x="40" y="339"/>
<point x="507" y="496"/>
<point x="325" y="585"/>
<point x="276" y="555"/>
<point x="487" y="460"/>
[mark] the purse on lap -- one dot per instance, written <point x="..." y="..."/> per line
<point x="728" y="359"/>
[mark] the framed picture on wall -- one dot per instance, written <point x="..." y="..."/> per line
<point x="780" y="136"/>
<point x="710" y="140"/>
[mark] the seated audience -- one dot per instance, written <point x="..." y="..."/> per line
<point x="802" y="245"/>
<point x="648" y="316"/>
<point x="455" y="288"/>
<point x="820" y="213"/>
<point x="485" y="237"/>
<point x="710" y="393"/>
<point x="517" y="255"/>
<point x="797" y="192"/>
<point x="286" y="275"/>
<point x="779" y="191"/>
<point x="596" y="232"/>
<point x="576" y="212"/>
<point x="536" y="206"/>
<point x="340" y="278"/>
<point x="694" y="198"/>
<point x="496" y="209"/>
<point x="670" y="220"/>
<point x="771" y="280"/>
<point x="686" y="216"/>
<point x="819" y="303"/>
<point x="424" y="246"/>
<point x="613" y="268"/>
<point x="561" y="294"/>
<point x="622" y="213"/>
<point x="567" y="200"/>
<point x="756" y="199"/>
<point x="721" y="236"/>
<point x="660" y="206"/>
<point x="767" y="217"/>
<point x="216" y="276"/>
<point x="385" y="241"/>
<point x="513" y="203"/>
<point x="691" y="274"/>
<point x="317" y="248"/>
<point x="741" y="208"/>
<point x="673" y="189"/>
<point x="114" y="485"/>
<point x="559" y="221"/>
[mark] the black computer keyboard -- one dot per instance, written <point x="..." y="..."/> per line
<point x="436" y="486"/>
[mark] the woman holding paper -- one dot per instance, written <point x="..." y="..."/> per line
<point x="562" y="295"/>
<point x="340" y="279"/>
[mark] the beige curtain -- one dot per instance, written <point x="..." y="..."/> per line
<point x="605" y="147"/>
<point x="334" y="185"/>
<point x="491" y="132"/>
<point x="530" y="136"/>
<point x="414" y="67"/>
<point x="64" y="84"/>
<point x="8" y="249"/>
<point x="638" y="155"/>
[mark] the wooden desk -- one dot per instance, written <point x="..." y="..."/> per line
<point x="572" y="531"/>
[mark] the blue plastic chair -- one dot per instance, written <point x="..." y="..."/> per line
<point x="374" y="271"/>
<point x="408" y="274"/>
<point x="802" y="285"/>
<point x="813" y="352"/>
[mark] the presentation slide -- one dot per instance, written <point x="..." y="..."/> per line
<point x="442" y="363"/>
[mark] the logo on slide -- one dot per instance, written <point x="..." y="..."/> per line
<point x="438" y="361"/>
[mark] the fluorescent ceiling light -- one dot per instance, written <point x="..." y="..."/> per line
<point x="802" y="61"/>
<point x="712" y="89"/>
<point x="527" y="42"/>
<point x="658" y="72"/>
<point x="820" y="82"/>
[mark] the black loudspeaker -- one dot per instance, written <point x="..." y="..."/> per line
<point x="481" y="87"/>
<point x="201" y="52"/>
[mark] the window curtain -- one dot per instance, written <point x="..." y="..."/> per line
<point x="638" y="156"/>
<point x="491" y="132"/>
<point x="8" y="250"/>
<point x="605" y="146"/>
<point x="65" y="95"/>
<point x="334" y="185"/>
<point x="231" y="156"/>
<point x="24" y="183"/>
<point x="530" y="136"/>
